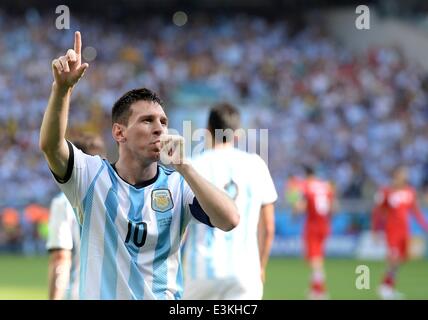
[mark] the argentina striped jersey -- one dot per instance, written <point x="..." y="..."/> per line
<point x="211" y="253"/>
<point x="131" y="236"/>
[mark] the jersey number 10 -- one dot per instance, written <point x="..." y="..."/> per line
<point x="135" y="228"/>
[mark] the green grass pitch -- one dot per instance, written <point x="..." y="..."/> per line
<point x="287" y="278"/>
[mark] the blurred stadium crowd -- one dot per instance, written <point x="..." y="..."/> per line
<point x="351" y="117"/>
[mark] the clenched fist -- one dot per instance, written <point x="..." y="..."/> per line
<point x="172" y="150"/>
<point x="68" y="69"/>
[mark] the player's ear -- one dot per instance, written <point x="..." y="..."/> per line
<point x="118" y="132"/>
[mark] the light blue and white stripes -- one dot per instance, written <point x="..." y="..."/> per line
<point x="144" y="264"/>
<point x="211" y="254"/>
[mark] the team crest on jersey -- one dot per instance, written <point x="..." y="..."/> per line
<point x="162" y="200"/>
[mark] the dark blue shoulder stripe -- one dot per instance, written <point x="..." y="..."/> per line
<point x="198" y="213"/>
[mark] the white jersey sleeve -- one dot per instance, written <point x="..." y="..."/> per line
<point x="193" y="211"/>
<point x="188" y="197"/>
<point x="82" y="170"/>
<point x="268" y="191"/>
<point x="188" y="194"/>
<point x="60" y="230"/>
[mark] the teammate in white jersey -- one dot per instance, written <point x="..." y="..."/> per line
<point x="220" y="265"/>
<point x="134" y="212"/>
<point x="63" y="243"/>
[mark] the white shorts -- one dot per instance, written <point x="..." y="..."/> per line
<point x="223" y="289"/>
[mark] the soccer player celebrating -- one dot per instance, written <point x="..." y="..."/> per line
<point x="63" y="241"/>
<point x="134" y="212"/>
<point x="391" y="212"/>
<point x="220" y="265"/>
<point x="317" y="202"/>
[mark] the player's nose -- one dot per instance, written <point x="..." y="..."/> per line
<point x="158" y="128"/>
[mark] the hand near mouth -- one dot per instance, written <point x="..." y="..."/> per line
<point x="172" y="150"/>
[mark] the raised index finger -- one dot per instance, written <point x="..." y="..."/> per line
<point x="77" y="42"/>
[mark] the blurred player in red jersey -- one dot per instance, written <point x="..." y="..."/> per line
<point x="317" y="201"/>
<point x="391" y="213"/>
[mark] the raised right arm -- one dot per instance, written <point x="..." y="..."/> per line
<point x="67" y="70"/>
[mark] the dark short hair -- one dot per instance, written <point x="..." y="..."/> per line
<point x="122" y="108"/>
<point x="87" y="142"/>
<point x="223" y="116"/>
